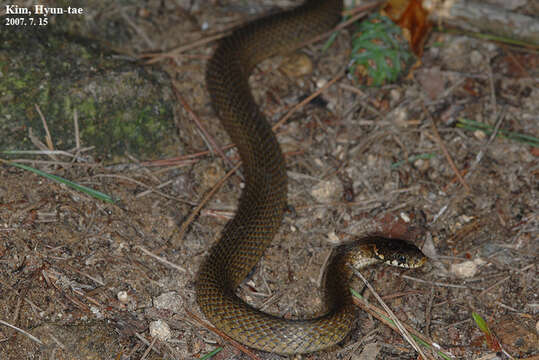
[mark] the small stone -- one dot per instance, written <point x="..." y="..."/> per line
<point x="123" y="297"/>
<point x="429" y="249"/>
<point x="212" y="174"/>
<point x="320" y="83"/>
<point x="395" y="95"/>
<point x="491" y="356"/>
<point x="333" y="238"/>
<point x="466" y="269"/>
<point x="422" y="164"/>
<point x="371" y="160"/>
<point x="479" y="135"/>
<point x="327" y="191"/>
<point x="466" y="218"/>
<point x="476" y="59"/>
<point x="169" y="301"/>
<point x="405" y="217"/>
<point x="400" y="117"/>
<point x="160" y="330"/>
<point x="297" y="65"/>
<point x="97" y="312"/>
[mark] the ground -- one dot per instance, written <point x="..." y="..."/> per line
<point x="83" y="278"/>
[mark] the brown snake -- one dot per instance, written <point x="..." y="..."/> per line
<point x="262" y="202"/>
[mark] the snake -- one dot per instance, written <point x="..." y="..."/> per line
<point x="263" y="200"/>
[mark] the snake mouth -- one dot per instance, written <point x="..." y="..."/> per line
<point x="397" y="252"/>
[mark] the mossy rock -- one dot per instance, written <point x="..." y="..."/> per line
<point x="121" y="106"/>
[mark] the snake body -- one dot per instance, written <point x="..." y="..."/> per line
<point x="261" y="205"/>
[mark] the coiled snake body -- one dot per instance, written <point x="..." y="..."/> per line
<point x="262" y="202"/>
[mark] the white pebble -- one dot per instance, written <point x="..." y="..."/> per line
<point x="333" y="238"/>
<point x="466" y="269"/>
<point x="321" y="82"/>
<point x="169" y="301"/>
<point x="123" y="297"/>
<point x="405" y="217"/>
<point x="160" y="330"/>
<point x="327" y="191"/>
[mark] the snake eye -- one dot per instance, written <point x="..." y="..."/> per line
<point x="402" y="260"/>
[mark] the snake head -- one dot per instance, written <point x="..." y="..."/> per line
<point x="397" y="252"/>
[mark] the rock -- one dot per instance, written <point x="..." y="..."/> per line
<point x="297" y="65"/>
<point x="466" y="269"/>
<point x="169" y="301"/>
<point x="120" y="106"/>
<point x="160" y="330"/>
<point x="327" y="191"/>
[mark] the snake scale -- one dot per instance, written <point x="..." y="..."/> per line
<point x="262" y="203"/>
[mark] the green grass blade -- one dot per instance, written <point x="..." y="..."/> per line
<point x="93" y="193"/>
<point x="481" y="323"/>
<point x="209" y="355"/>
<point x="472" y="125"/>
<point x="333" y="36"/>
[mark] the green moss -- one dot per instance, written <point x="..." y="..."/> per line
<point x="88" y="108"/>
<point x="119" y="104"/>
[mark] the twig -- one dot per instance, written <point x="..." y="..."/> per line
<point x="442" y="284"/>
<point x="150" y="347"/>
<point x="404" y="332"/>
<point x="77" y="133"/>
<point x="487" y="290"/>
<point x="32" y="337"/>
<point x="306" y="101"/>
<point x="38" y="152"/>
<point x="206" y="135"/>
<point x="161" y="259"/>
<point x="47" y="274"/>
<point x="154" y="190"/>
<point x="156" y="57"/>
<point x="444" y="149"/>
<point x="147" y="343"/>
<point x="482" y="151"/>
<point x="138" y="30"/>
<point x="150" y="190"/>
<point x="383" y="317"/>
<point x="492" y="88"/>
<point x="174" y="160"/>
<point x="39" y="144"/>
<point x="77" y="149"/>
<point x="144" y="168"/>
<point x="196" y="210"/>
<point x="48" y="137"/>
<point x="29" y="302"/>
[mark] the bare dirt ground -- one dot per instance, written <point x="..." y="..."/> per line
<point x="88" y="279"/>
